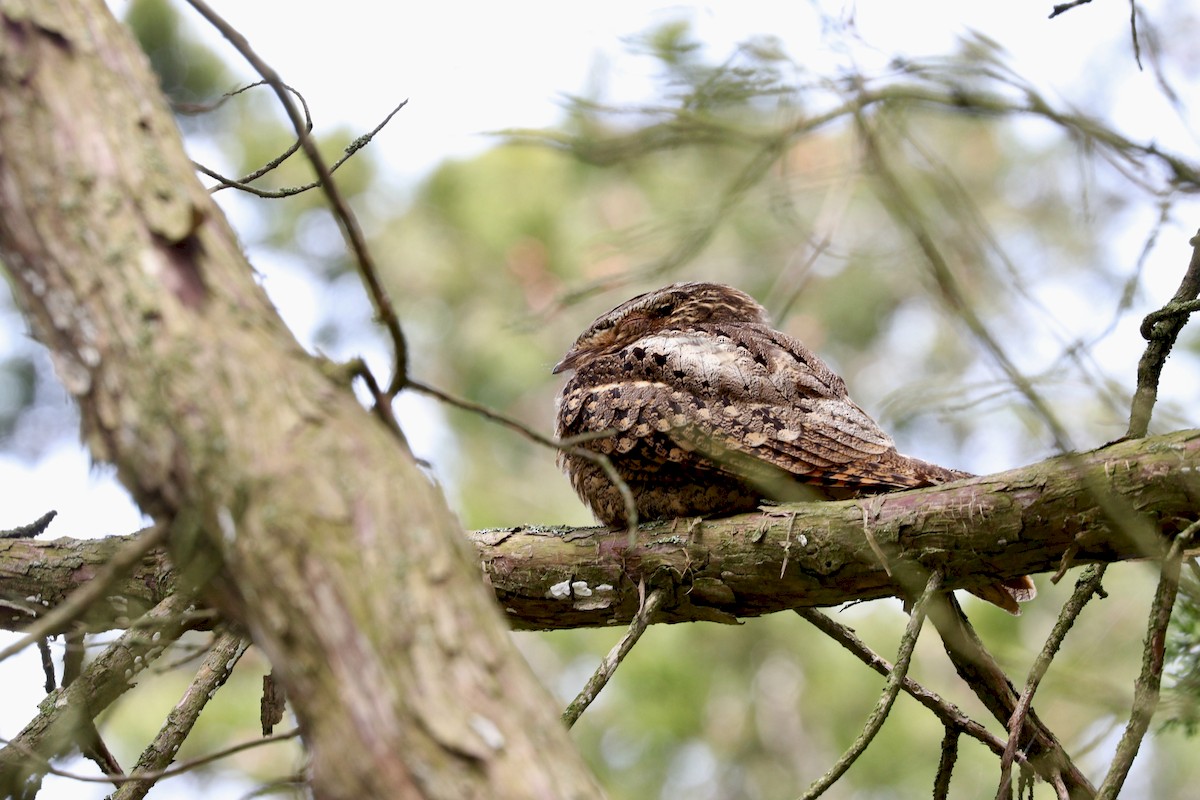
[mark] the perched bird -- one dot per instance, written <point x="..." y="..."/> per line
<point x="712" y="411"/>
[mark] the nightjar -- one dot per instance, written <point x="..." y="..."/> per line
<point x="713" y="411"/>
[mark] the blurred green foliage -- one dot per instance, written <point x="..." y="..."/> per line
<point x="187" y="70"/>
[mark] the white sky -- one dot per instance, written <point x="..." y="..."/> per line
<point x="472" y="67"/>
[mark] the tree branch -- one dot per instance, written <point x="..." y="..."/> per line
<point x="1160" y="329"/>
<point x="67" y="712"/>
<point x="212" y="674"/>
<point x="974" y="531"/>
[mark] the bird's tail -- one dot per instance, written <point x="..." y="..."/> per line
<point x="1008" y="593"/>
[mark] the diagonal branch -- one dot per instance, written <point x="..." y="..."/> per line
<point x="976" y="666"/>
<point x="1145" y="695"/>
<point x="54" y="731"/>
<point x="212" y="674"/>
<point x="891" y="689"/>
<point x="1160" y="329"/>
<point x="347" y="221"/>
<point x="609" y="665"/>
<point x="950" y="715"/>
<point x="1087" y="586"/>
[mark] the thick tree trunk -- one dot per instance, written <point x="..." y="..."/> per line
<point x="329" y="545"/>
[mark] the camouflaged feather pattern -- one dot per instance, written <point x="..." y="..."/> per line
<point x="713" y="414"/>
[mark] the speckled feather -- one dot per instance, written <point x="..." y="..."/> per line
<point x="713" y="411"/>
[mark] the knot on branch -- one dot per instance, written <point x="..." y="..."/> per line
<point x="1176" y="313"/>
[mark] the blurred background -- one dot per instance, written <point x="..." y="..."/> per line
<point x="554" y="160"/>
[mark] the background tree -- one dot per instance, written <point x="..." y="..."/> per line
<point x="727" y="177"/>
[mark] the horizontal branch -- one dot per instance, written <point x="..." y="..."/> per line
<point x="1111" y="504"/>
<point x="1120" y="502"/>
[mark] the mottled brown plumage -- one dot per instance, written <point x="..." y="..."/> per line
<point x="714" y="411"/>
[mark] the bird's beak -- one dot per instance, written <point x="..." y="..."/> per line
<point x="568" y="362"/>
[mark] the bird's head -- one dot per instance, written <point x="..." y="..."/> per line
<point x="680" y="306"/>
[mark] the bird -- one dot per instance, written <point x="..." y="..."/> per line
<point x="705" y="410"/>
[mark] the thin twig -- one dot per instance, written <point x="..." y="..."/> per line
<point x="351" y="230"/>
<point x="1062" y="8"/>
<point x="242" y="183"/>
<point x="979" y="669"/>
<point x="179" y="769"/>
<point x="83" y="597"/>
<point x="1085" y="588"/>
<point x="891" y="689"/>
<point x="614" y="658"/>
<point x="1146" y="689"/>
<point x="227" y="648"/>
<point x="571" y="446"/>
<point x="1161" y="329"/>
<point x="944" y="710"/>
<point x="941" y="782"/>
<point x="1133" y="32"/>
<point x="35" y="528"/>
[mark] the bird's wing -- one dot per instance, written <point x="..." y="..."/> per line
<point x="727" y="393"/>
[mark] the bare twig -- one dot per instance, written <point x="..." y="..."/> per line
<point x="1087" y="586"/>
<point x="384" y="310"/>
<point x="179" y="769"/>
<point x="891" y="689"/>
<point x="212" y="674"/>
<point x="90" y="592"/>
<point x="1161" y="329"/>
<point x="1133" y="33"/>
<point x="614" y="658"/>
<point x="35" y="528"/>
<point x="1062" y="8"/>
<point x="1145" y="693"/>
<point x="979" y="669"/>
<point x="244" y="183"/>
<point x="941" y="783"/>
<point x="947" y="712"/>
<point x="58" y="728"/>
<point x="571" y="446"/>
